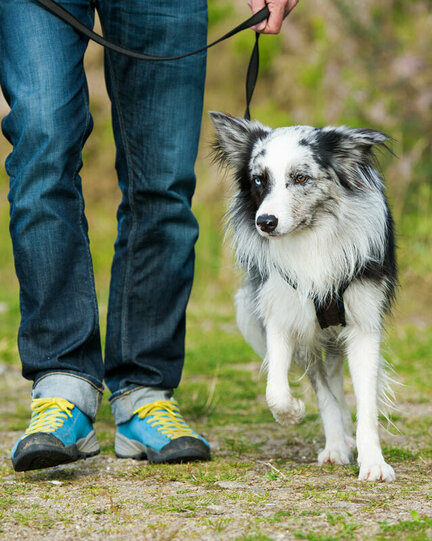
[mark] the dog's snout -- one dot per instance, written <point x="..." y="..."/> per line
<point x="267" y="222"/>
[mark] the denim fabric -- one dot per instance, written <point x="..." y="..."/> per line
<point x="156" y="110"/>
<point x="156" y="116"/>
<point x="76" y="389"/>
<point x="124" y="405"/>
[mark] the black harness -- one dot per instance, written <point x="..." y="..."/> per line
<point x="330" y="311"/>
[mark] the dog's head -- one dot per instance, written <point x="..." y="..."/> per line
<point x="289" y="179"/>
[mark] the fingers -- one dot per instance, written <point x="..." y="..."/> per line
<point x="277" y="13"/>
<point x="255" y="6"/>
<point x="279" y="9"/>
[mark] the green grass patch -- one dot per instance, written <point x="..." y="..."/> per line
<point x="419" y="528"/>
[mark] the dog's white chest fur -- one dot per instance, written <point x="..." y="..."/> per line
<point x="272" y="302"/>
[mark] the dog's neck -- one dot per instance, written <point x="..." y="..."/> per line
<point x="322" y="258"/>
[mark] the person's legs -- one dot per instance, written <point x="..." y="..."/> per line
<point x="42" y="78"/>
<point x="157" y="109"/>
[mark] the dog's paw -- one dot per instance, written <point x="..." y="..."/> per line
<point x="287" y="410"/>
<point x="337" y="451"/>
<point x="376" y="472"/>
<point x="335" y="455"/>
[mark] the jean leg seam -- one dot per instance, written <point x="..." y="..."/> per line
<point x="131" y="239"/>
<point x="91" y="14"/>
<point x="80" y="223"/>
<point x="81" y="214"/>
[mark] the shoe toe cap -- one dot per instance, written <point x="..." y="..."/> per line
<point x="183" y="449"/>
<point x="41" y="450"/>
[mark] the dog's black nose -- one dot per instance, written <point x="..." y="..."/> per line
<point x="267" y="222"/>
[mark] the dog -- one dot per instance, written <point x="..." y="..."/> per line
<point x="312" y="229"/>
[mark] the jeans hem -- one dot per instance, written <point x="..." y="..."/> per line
<point x="125" y="402"/>
<point x="84" y="394"/>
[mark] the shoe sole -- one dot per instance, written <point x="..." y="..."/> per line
<point x="43" y="450"/>
<point x="184" y="449"/>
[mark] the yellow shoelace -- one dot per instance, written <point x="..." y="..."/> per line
<point x="166" y="416"/>
<point x="48" y="414"/>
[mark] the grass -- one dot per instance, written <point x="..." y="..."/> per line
<point x="418" y="528"/>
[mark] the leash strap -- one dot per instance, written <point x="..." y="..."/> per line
<point x="252" y="75"/>
<point x="252" y="72"/>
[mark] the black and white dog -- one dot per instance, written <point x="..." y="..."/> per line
<point x="312" y="229"/>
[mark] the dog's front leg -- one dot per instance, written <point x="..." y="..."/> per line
<point x="364" y="359"/>
<point x="280" y="348"/>
<point x="334" y="365"/>
<point x="338" y="444"/>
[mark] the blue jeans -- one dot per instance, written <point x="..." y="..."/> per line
<point x="156" y="112"/>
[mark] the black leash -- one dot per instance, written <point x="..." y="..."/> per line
<point x="252" y="72"/>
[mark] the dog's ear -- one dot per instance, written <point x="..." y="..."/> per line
<point x="235" y="138"/>
<point x="351" y="153"/>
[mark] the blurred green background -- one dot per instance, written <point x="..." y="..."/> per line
<point x="363" y="64"/>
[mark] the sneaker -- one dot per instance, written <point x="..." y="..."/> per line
<point x="158" y="432"/>
<point x="58" y="433"/>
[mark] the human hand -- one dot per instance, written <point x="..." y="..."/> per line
<point x="279" y="9"/>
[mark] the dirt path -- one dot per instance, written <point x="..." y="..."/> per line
<point x="263" y="483"/>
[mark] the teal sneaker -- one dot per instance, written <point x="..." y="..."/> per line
<point x="158" y="432"/>
<point x="58" y="433"/>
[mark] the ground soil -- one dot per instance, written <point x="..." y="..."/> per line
<point x="266" y="487"/>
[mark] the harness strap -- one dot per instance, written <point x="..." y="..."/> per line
<point x="331" y="311"/>
<point x="252" y="73"/>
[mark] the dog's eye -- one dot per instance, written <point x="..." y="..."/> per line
<point x="257" y="181"/>
<point x="301" y="179"/>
